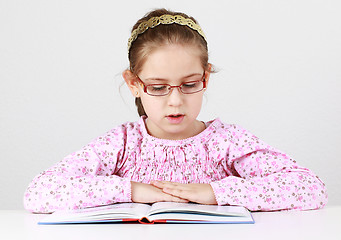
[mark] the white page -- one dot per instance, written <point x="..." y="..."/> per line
<point x="192" y="207"/>
<point x="114" y="211"/>
<point x="174" y="217"/>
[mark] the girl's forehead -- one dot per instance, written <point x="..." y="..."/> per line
<point x="172" y="77"/>
<point x="172" y="61"/>
<point x="185" y="78"/>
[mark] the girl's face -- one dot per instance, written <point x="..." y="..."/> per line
<point x="172" y="116"/>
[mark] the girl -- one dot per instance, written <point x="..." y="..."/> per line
<point x="169" y="155"/>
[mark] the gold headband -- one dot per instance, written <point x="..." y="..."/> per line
<point x="164" y="19"/>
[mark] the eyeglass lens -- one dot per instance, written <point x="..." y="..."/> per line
<point x="165" y="89"/>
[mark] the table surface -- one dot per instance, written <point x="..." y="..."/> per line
<point x="314" y="224"/>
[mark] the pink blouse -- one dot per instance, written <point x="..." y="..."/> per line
<point x="242" y="170"/>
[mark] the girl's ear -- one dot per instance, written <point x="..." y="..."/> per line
<point x="131" y="82"/>
<point x="208" y="74"/>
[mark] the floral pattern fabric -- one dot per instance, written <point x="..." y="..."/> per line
<point x="241" y="169"/>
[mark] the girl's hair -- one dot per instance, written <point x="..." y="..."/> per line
<point x="161" y="35"/>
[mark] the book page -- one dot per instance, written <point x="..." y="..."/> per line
<point x="172" y="207"/>
<point x="197" y="218"/>
<point x="197" y="213"/>
<point x="114" y="211"/>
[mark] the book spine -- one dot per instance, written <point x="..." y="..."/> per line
<point x="145" y="220"/>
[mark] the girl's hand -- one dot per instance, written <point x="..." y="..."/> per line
<point x="147" y="193"/>
<point x="193" y="192"/>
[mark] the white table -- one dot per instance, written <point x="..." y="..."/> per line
<point x="307" y="225"/>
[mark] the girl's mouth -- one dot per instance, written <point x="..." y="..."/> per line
<point x="175" y="118"/>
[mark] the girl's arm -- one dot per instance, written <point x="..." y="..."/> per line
<point x="266" y="179"/>
<point x="261" y="179"/>
<point x="82" y="179"/>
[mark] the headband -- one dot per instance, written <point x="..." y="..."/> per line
<point x="164" y="19"/>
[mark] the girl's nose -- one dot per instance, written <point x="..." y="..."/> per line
<point x="175" y="97"/>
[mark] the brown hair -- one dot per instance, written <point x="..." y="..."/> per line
<point x="162" y="35"/>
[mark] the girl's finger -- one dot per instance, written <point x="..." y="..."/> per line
<point x="158" y="184"/>
<point x="171" y="198"/>
<point x="163" y="184"/>
<point x="178" y="186"/>
<point x="183" y="194"/>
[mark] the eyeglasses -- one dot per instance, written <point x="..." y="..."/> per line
<point x="165" y="89"/>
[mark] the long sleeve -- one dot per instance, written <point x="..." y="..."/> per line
<point x="85" y="178"/>
<point x="265" y="179"/>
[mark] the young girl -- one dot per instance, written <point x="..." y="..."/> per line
<point x="169" y="155"/>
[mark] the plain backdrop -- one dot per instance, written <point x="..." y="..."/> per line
<point x="61" y="61"/>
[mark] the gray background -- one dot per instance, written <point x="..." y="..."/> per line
<point x="60" y="75"/>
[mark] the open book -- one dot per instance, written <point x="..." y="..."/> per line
<point x="161" y="212"/>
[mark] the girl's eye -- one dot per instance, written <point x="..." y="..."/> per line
<point x="158" y="88"/>
<point x="190" y="85"/>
